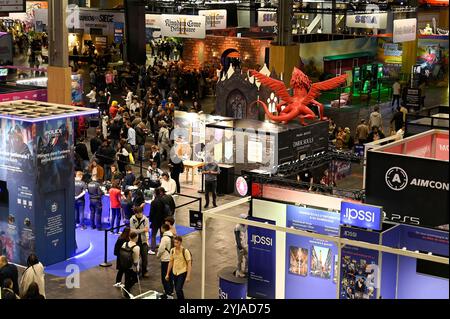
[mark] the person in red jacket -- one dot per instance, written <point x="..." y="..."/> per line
<point x="115" y="197"/>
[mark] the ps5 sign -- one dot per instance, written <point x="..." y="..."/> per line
<point x="367" y="21"/>
<point x="360" y="215"/>
<point x="183" y="26"/>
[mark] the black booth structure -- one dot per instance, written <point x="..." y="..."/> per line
<point x="410" y="179"/>
<point x="251" y="144"/>
<point x="430" y="118"/>
<point x="36" y="180"/>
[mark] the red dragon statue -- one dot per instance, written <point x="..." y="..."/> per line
<point x="305" y="93"/>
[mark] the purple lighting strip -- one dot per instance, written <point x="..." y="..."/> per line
<point x="48" y="118"/>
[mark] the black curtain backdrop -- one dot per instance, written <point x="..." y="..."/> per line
<point x="135" y="31"/>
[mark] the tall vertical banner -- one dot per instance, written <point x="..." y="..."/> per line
<point x="261" y="261"/>
<point x="405" y="30"/>
<point x="359" y="266"/>
<point x="215" y="19"/>
<point x="183" y="26"/>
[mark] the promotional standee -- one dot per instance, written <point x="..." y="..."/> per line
<point x="36" y="167"/>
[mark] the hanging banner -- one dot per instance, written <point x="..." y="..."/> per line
<point x="153" y="21"/>
<point x="215" y="19"/>
<point x="367" y="21"/>
<point x="267" y="18"/>
<point x="261" y="261"/>
<point x="183" y="26"/>
<point x="79" y="18"/>
<point x="360" y="215"/>
<point x="405" y="30"/>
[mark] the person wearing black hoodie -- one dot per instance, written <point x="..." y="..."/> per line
<point x="114" y="132"/>
<point x="123" y="238"/>
<point x="106" y="157"/>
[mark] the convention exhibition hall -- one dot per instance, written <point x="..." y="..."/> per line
<point x="248" y="150"/>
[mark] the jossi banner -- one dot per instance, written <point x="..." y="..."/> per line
<point x="311" y="263"/>
<point x="215" y="19"/>
<point x="360" y="215"/>
<point x="261" y="261"/>
<point x="183" y="26"/>
<point x="405" y="30"/>
<point x="410" y="190"/>
<point x="359" y="266"/>
<point x="367" y="21"/>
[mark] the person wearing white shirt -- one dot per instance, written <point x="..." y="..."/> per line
<point x="134" y="106"/>
<point x="168" y="184"/>
<point x="154" y="173"/>
<point x="129" y="97"/>
<point x="131" y="137"/>
<point x="92" y="97"/>
<point x="396" y="87"/>
<point x="164" y="255"/>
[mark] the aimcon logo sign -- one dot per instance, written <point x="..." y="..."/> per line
<point x="261" y="240"/>
<point x="397" y="179"/>
<point x="360" y="215"/>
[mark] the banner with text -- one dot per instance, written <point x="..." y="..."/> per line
<point x="405" y="30"/>
<point x="261" y="261"/>
<point x="215" y="19"/>
<point x="183" y="26"/>
<point x="267" y="18"/>
<point x="367" y="21"/>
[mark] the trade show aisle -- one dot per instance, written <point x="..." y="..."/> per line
<point x="97" y="282"/>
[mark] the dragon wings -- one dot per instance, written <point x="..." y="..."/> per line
<point x="277" y="86"/>
<point x="280" y="89"/>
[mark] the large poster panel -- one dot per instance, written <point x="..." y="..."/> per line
<point x="261" y="261"/>
<point x="359" y="266"/>
<point x="215" y="19"/>
<point x="311" y="263"/>
<point x="17" y="224"/>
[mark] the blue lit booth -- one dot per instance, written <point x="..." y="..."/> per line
<point x="36" y="180"/>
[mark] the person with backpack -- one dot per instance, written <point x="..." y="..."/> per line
<point x="163" y="254"/>
<point x="129" y="262"/>
<point x="123" y="238"/>
<point x="180" y="265"/>
<point x="140" y="225"/>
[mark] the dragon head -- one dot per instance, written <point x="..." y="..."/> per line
<point x="300" y="80"/>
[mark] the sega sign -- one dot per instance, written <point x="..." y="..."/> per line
<point x="360" y="215"/>
<point x="367" y="20"/>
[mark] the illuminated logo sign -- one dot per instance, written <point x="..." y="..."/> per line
<point x="360" y="215"/>
<point x="241" y="186"/>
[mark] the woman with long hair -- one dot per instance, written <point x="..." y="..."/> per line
<point x="33" y="274"/>
<point x="123" y="238"/>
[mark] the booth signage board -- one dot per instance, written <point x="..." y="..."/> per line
<point x="304" y="140"/>
<point x="413" y="98"/>
<point x="183" y="26"/>
<point x="314" y="220"/>
<point x="215" y="19"/>
<point x="367" y="21"/>
<point x="195" y="219"/>
<point x="359" y="266"/>
<point x="404" y="30"/>
<point x="241" y="186"/>
<point x="261" y="261"/>
<point x="311" y="263"/>
<point x="12" y="6"/>
<point x="360" y="215"/>
<point x="231" y="290"/>
<point x="153" y="21"/>
<point x="87" y="19"/>
<point x="411" y="190"/>
<point x="267" y="18"/>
